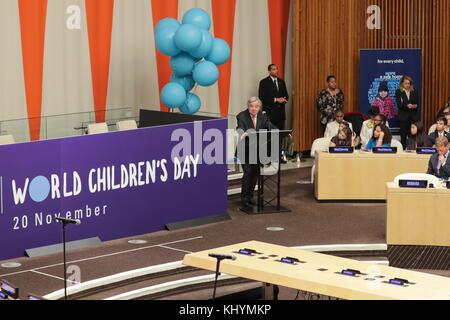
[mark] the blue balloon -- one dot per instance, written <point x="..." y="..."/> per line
<point x="205" y="47"/>
<point x="173" y="95"/>
<point x="220" y="52"/>
<point x="205" y="73"/>
<point x="167" y="23"/>
<point x="188" y="37"/>
<point x="192" y="104"/>
<point x="186" y="82"/>
<point x="197" y="17"/>
<point x="165" y="38"/>
<point x="182" y="64"/>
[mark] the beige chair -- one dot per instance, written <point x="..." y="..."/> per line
<point x="398" y="144"/>
<point x="95" y="128"/>
<point x="432" y="129"/>
<point x="126" y="125"/>
<point x="7" y="139"/>
<point x="320" y="144"/>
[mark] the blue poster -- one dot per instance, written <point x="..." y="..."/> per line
<point x="379" y="77"/>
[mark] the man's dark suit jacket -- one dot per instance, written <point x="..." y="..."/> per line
<point x="267" y="94"/>
<point x="433" y="136"/>
<point x="404" y="113"/>
<point x="443" y="172"/>
<point x="245" y="122"/>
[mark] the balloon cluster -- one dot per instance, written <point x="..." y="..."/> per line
<point x="195" y="55"/>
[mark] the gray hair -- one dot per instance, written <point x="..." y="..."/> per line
<point x="254" y="99"/>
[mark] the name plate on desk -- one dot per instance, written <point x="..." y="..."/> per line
<point x="340" y="150"/>
<point x="425" y="150"/>
<point x="384" y="150"/>
<point x="413" y="183"/>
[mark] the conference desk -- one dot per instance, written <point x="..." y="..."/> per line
<point x="418" y="216"/>
<point x="361" y="175"/>
<point x="320" y="273"/>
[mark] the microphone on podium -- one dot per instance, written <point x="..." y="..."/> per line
<point x="68" y="221"/>
<point x="222" y="256"/>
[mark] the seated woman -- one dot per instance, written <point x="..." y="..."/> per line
<point x="417" y="137"/>
<point x="382" y="137"/>
<point x="344" y="138"/>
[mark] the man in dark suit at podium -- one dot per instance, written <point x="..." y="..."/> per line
<point x="250" y="119"/>
<point x="274" y="96"/>
<point x="439" y="164"/>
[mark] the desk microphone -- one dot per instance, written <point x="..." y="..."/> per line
<point x="68" y="221"/>
<point x="222" y="256"/>
<point x="219" y="258"/>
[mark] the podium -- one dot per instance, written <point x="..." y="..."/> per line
<point x="269" y="178"/>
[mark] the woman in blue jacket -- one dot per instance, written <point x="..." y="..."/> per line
<point x="381" y="137"/>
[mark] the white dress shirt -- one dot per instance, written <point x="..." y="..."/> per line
<point x="408" y="93"/>
<point x="275" y="80"/>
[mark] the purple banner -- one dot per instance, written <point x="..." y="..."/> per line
<point x="118" y="184"/>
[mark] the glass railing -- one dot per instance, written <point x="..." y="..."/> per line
<point x="75" y="124"/>
<point x="63" y="125"/>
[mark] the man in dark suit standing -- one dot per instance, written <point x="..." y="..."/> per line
<point x="274" y="96"/>
<point x="250" y="120"/>
<point x="439" y="164"/>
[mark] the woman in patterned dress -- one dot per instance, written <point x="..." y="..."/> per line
<point x="330" y="100"/>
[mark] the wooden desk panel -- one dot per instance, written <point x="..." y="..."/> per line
<point x="305" y="276"/>
<point x="418" y="216"/>
<point x="362" y="175"/>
